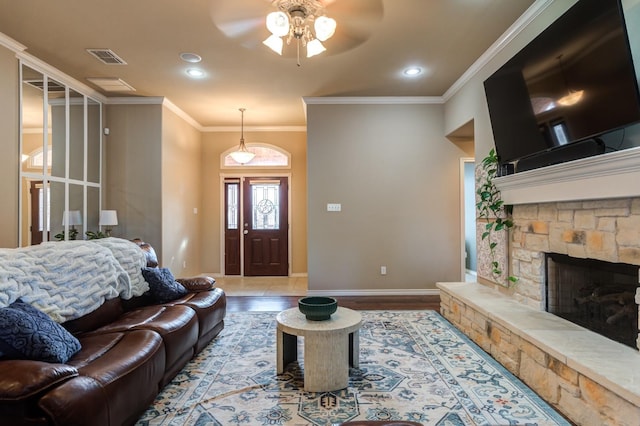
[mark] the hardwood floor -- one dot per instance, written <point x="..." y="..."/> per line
<point x="361" y="303"/>
<point x="279" y="293"/>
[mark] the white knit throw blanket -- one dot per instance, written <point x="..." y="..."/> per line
<point x="67" y="280"/>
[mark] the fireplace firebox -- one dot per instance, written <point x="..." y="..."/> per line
<point x="597" y="295"/>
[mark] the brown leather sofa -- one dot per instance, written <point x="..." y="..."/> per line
<point x="130" y="350"/>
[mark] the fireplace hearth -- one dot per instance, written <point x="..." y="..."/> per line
<point x="594" y="294"/>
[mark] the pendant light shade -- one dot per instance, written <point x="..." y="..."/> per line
<point x="242" y="155"/>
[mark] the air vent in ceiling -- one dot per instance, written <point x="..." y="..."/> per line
<point x="52" y="86"/>
<point x="107" y="56"/>
<point x="111" y="84"/>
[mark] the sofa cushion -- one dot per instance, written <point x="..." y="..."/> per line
<point x="108" y="312"/>
<point x="27" y="333"/>
<point x="162" y="285"/>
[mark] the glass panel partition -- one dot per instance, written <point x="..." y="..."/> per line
<point x="60" y="154"/>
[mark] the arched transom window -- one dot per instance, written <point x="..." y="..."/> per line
<point x="266" y="155"/>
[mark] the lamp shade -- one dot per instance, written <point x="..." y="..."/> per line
<point x="71" y="217"/>
<point x="108" y="218"/>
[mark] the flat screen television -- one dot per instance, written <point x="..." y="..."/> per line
<point x="573" y="83"/>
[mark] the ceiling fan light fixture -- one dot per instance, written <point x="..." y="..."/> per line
<point x="314" y="47"/>
<point x="242" y="155"/>
<point x="303" y="21"/>
<point x="278" y="23"/>
<point x="274" y="43"/>
<point x="325" y="27"/>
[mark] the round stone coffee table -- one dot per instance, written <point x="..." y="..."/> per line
<point x="330" y="347"/>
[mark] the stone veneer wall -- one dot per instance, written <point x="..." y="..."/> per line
<point x="606" y="230"/>
<point x="579" y="396"/>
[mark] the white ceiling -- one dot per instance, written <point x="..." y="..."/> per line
<point x="374" y="42"/>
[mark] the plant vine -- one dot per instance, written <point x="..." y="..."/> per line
<point x="491" y="207"/>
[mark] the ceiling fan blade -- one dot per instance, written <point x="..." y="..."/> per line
<point x="239" y="18"/>
<point x="356" y="21"/>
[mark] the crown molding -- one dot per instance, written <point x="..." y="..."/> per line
<point x="11" y="44"/>
<point x="373" y="100"/>
<point x="214" y="129"/>
<point x="155" y="100"/>
<point x="135" y="100"/>
<point x="516" y="28"/>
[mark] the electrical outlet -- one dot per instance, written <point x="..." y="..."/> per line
<point x="383" y="270"/>
<point x="334" y="207"/>
<point x="184" y="264"/>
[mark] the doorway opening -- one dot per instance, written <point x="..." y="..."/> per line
<point x="469" y="221"/>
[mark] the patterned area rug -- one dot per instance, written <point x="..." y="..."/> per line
<point x="414" y="365"/>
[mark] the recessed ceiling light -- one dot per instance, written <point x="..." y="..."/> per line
<point x="195" y="73"/>
<point x="190" y="57"/>
<point x="412" y="71"/>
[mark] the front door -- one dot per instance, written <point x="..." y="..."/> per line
<point x="266" y="226"/>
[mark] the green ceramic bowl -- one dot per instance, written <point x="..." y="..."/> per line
<point x="317" y="308"/>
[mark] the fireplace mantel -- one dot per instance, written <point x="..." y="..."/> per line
<point x="611" y="175"/>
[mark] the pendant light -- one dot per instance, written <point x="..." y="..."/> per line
<point x="242" y="155"/>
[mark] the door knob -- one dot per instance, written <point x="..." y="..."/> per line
<point x="245" y="232"/>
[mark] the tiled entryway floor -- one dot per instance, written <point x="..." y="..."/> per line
<point x="263" y="286"/>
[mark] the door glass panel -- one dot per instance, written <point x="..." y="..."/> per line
<point x="93" y="140"/>
<point x="232" y="205"/>
<point x="266" y="206"/>
<point x="57" y="118"/>
<point x="76" y="135"/>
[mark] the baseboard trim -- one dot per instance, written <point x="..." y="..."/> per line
<point x="298" y="275"/>
<point x="377" y="292"/>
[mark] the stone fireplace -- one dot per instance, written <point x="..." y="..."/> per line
<point x="597" y="295"/>
<point x="592" y="379"/>
<point x="602" y="237"/>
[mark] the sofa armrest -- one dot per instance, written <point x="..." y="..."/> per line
<point x="196" y="284"/>
<point x="22" y="379"/>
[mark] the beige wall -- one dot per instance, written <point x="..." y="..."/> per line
<point x="9" y="133"/>
<point x="213" y="145"/>
<point x="133" y="184"/>
<point x="398" y="180"/>
<point x="181" y="194"/>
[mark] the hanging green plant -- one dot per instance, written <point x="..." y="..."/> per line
<point x="492" y="209"/>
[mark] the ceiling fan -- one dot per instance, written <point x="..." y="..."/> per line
<point x="246" y="21"/>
